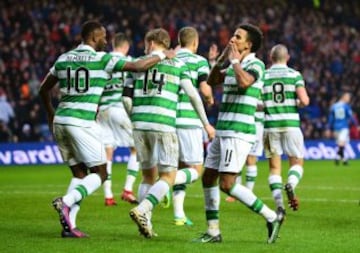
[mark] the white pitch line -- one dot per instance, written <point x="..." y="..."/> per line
<point x="302" y="199"/>
<point x="197" y="196"/>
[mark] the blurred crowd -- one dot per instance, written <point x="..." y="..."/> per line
<point x="323" y="38"/>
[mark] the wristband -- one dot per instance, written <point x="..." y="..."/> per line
<point x="160" y="54"/>
<point x="235" y="61"/>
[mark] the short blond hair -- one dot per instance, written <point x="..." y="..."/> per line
<point x="279" y="53"/>
<point x="120" y="39"/>
<point x="160" y="36"/>
<point x="187" y="35"/>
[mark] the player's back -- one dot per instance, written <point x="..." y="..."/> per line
<point x="112" y="94"/>
<point x="196" y="64"/>
<point x="82" y="76"/>
<point x="199" y="70"/>
<point x="340" y="115"/>
<point x="156" y="94"/>
<point x="279" y="96"/>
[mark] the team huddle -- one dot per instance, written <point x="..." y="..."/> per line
<point x="155" y="106"/>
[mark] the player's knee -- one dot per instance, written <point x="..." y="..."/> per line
<point x="225" y="186"/>
<point x="101" y="171"/>
<point x="209" y="178"/>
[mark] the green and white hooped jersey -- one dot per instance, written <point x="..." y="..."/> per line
<point x="112" y="94"/>
<point x="83" y="74"/>
<point x="281" y="112"/>
<point x="238" y="106"/>
<point x="199" y="70"/>
<point x="156" y="94"/>
<point x="260" y="115"/>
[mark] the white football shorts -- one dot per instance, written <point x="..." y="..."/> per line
<point x="80" y="144"/>
<point x="342" y="136"/>
<point x="227" y="154"/>
<point x="191" y="148"/>
<point x="257" y="148"/>
<point x="290" y="143"/>
<point x="159" y="149"/>
<point x="116" y="127"/>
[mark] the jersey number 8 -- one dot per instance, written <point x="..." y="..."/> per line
<point x="278" y="92"/>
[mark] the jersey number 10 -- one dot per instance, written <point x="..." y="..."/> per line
<point x="80" y="80"/>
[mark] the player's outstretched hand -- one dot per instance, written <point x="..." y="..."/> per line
<point x="210" y="130"/>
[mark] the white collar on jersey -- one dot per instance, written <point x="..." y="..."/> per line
<point x="248" y="57"/>
<point x="117" y="54"/>
<point x="183" y="50"/>
<point x="278" y="65"/>
<point x="85" y="47"/>
<point x="156" y="51"/>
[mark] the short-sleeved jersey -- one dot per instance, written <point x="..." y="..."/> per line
<point x="238" y="106"/>
<point x="279" y="96"/>
<point x="112" y="94"/>
<point x="156" y="94"/>
<point x="83" y="74"/>
<point x="260" y="115"/>
<point x="199" y="71"/>
<point x="340" y="116"/>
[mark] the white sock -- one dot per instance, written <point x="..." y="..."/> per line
<point x="243" y="194"/>
<point x="267" y="213"/>
<point x="186" y="176"/>
<point x="88" y="185"/>
<point x="178" y="202"/>
<point x="76" y="207"/>
<point x="276" y="187"/>
<point x="107" y="184"/>
<point x="143" y="190"/>
<point x="294" y="175"/>
<point x="212" y="205"/>
<point x="73" y="183"/>
<point x="155" y="195"/>
<point x="132" y="172"/>
<point x="238" y="179"/>
<point x="247" y="197"/>
<point x="251" y="174"/>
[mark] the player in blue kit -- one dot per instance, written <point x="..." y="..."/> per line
<point x="340" y="118"/>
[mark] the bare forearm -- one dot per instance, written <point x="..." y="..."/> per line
<point x="46" y="99"/>
<point x="143" y="64"/>
<point x="205" y="90"/>
<point x="243" y="78"/>
<point x="44" y="92"/>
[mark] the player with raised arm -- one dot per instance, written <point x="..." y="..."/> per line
<point x="235" y="130"/>
<point x="189" y="128"/>
<point x="116" y="125"/>
<point x="82" y="74"/>
<point x="153" y="113"/>
<point x="340" y="118"/>
<point x="284" y="92"/>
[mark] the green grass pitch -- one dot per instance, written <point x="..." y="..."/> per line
<point x="328" y="219"/>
